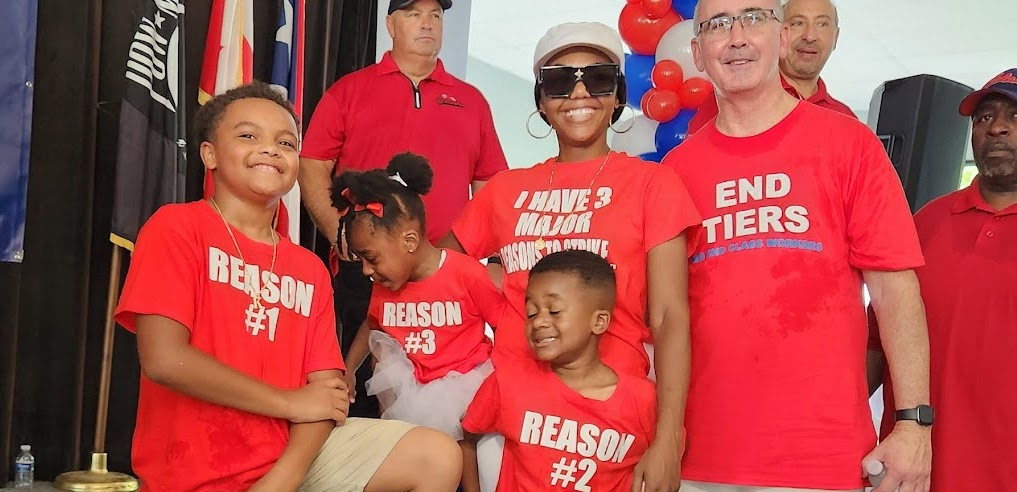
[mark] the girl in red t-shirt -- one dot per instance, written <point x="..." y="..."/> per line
<point x="426" y="322"/>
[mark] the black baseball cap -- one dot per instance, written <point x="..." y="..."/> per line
<point x="394" y="5"/>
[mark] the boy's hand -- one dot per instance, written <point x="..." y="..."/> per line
<point x="327" y="399"/>
<point x="350" y="378"/>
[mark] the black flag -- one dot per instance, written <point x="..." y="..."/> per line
<point x="149" y="170"/>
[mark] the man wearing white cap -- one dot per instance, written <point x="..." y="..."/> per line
<point x="634" y="214"/>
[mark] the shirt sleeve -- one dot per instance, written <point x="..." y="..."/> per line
<point x="668" y="210"/>
<point x="483" y="413"/>
<point x="485" y="296"/>
<point x="880" y="229"/>
<point x="322" y="350"/>
<point x="326" y="131"/>
<point x="492" y="158"/>
<point x="167" y="258"/>
<point x="474" y="228"/>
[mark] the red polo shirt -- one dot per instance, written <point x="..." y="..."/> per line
<point x="969" y="285"/>
<point x="369" y="116"/>
<point x="821" y="98"/>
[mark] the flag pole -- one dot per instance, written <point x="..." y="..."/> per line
<point x="181" y="120"/>
<point x="98" y="477"/>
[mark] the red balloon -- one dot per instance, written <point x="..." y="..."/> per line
<point x="667" y="75"/>
<point x="656" y="9"/>
<point x="660" y="105"/>
<point x="694" y="91"/>
<point x="640" y="32"/>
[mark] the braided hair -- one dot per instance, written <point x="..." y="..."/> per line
<point x="384" y="196"/>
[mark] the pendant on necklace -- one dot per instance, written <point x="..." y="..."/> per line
<point x="256" y="300"/>
<point x="539" y="243"/>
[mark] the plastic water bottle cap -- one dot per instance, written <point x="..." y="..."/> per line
<point x="25" y="447"/>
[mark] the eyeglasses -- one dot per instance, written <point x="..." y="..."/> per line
<point x="721" y="26"/>
<point x="600" y="79"/>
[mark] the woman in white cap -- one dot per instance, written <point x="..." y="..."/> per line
<point x="637" y="215"/>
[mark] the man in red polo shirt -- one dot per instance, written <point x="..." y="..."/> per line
<point x="814" y="27"/>
<point x="800" y="206"/>
<point x="969" y="285"/>
<point x="407" y="102"/>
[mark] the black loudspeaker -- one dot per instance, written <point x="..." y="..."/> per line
<point x="926" y="138"/>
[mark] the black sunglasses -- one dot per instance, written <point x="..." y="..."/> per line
<point x="600" y="79"/>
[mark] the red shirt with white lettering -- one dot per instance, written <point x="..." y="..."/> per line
<point x="186" y="268"/>
<point x="634" y="206"/>
<point x="557" y="439"/>
<point x="440" y="320"/>
<point x="778" y="395"/>
<point x="822" y="98"/>
<point x="969" y="286"/>
<point x="367" y="117"/>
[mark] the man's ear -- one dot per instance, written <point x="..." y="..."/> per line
<point x="601" y="320"/>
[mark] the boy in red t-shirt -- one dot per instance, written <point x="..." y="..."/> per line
<point x="425" y="324"/>
<point x="570" y="422"/>
<point x="241" y="385"/>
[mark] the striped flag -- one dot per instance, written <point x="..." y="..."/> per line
<point x="288" y="78"/>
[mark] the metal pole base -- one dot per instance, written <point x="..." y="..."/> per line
<point x="97" y="479"/>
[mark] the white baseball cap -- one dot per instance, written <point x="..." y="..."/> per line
<point x="571" y="34"/>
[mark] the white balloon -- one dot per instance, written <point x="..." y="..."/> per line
<point x="639" y="139"/>
<point x="676" y="44"/>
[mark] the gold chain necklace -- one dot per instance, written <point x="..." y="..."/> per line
<point x="540" y="243"/>
<point x="257" y="287"/>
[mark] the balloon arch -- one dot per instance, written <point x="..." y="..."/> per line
<point x="663" y="81"/>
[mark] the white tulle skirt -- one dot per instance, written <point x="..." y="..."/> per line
<point x="439" y="404"/>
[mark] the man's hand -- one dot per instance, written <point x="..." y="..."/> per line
<point x="906" y="455"/>
<point x="659" y="470"/>
<point x="328" y="399"/>
<point x="350" y="378"/>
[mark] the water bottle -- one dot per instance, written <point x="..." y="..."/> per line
<point x="24" y="468"/>
<point x="876" y="471"/>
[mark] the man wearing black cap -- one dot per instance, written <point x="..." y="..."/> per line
<point x="969" y="286"/>
<point x="406" y="102"/>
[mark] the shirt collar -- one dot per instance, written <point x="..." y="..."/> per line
<point x="388" y="65"/>
<point x="971" y="198"/>
<point x="820" y="95"/>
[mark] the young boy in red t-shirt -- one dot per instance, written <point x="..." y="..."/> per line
<point x="241" y="386"/>
<point x="570" y="422"/>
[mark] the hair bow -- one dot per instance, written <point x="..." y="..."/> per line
<point x="375" y="208"/>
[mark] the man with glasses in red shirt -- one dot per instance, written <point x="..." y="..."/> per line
<point x="969" y="285"/>
<point x="800" y="206"/>
<point x="815" y="28"/>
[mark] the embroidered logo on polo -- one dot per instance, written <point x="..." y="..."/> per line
<point x="285" y="291"/>
<point x="549" y="215"/>
<point x="737" y="229"/>
<point x="447" y="100"/>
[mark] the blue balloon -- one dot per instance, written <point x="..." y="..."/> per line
<point x="670" y="134"/>
<point x="685" y="8"/>
<point x="651" y="157"/>
<point x="637" y="77"/>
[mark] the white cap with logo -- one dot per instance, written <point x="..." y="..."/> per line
<point x="572" y="34"/>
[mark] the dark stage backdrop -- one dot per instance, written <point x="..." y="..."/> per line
<point x="52" y="306"/>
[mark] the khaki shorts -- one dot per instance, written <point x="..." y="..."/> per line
<point x="690" y="486"/>
<point x="352" y="455"/>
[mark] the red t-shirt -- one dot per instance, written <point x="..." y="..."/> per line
<point x="557" y="439"/>
<point x="185" y="267"/>
<point x="708" y="110"/>
<point x="970" y="293"/>
<point x="794" y="215"/>
<point x="633" y="207"/>
<point x="369" y="116"/>
<point x="440" y="320"/>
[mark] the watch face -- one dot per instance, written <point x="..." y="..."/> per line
<point x="926" y="415"/>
